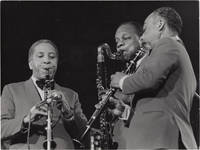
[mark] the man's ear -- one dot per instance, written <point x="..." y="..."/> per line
<point x="30" y="65"/>
<point x="161" y="24"/>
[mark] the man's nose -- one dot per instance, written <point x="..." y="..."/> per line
<point x="46" y="60"/>
<point x="120" y="44"/>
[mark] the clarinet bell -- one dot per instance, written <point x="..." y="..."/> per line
<point x="53" y="144"/>
<point x="78" y="144"/>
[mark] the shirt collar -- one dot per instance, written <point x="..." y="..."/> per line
<point x="34" y="80"/>
<point x="177" y="38"/>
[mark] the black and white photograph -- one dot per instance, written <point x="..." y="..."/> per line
<point x="99" y="75"/>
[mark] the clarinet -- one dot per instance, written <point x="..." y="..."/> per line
<point x="49" y="143"/>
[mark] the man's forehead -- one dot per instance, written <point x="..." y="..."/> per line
<point x="148" y="19"/>
<point x="44" y="47"/>
<point x="125" y="28"/>
<point x="151" y="18"/>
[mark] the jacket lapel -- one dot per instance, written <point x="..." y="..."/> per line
<point x="32" y="93"/>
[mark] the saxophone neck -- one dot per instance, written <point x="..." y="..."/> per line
<point x="106" y="48"/>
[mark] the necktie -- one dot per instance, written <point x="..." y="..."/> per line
<point x="48" y="83"/>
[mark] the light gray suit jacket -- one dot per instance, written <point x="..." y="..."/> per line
<point x="16" y="101"/>
<point x="165" y="83"/>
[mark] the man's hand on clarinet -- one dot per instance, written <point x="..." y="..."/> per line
<point x="117" y="106"/>
<point x="35" y="113"/>
<point x="61" y="103"/>
<point x="115" y="78"/>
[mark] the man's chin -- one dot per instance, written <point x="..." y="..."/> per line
<point x="129" y="56"/>
<point x="46" y="76"/>
<point x="126" y="57"/>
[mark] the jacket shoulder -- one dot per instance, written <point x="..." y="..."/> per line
<point x="15" y="84"/>
<point x="67" y="90"/>
<point x="168" y="42"/>
<point x="168" y="45"/>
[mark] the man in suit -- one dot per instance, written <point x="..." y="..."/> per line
<point x="127" y="42"/>
<point x="24" y="105"/>
<point x="164" y="85"/>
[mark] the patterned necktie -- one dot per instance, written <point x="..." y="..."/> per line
<point x="42" y="83"/>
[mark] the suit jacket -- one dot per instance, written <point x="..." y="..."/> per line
<point x="16" y="102"/>
<point x="164" y="84"/>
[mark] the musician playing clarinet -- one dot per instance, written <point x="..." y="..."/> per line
<point x="24" y="106"/>
<point x="164" y="85"/>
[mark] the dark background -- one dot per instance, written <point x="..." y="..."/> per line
<point x="78" y="28"/>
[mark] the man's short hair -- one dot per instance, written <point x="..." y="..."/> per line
<point x="136" y="25"/>
<point x="172" y="18"/>
<point x="31" y="49"/>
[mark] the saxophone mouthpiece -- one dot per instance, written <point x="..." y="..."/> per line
<point x="100" y="56"/>
<point x="115" y="56"/>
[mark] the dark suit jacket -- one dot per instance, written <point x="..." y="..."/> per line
<point x="16" y="101"/>
<point x="165" y="84"/>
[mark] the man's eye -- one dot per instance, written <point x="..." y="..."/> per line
<point x="127" y="38"/>
<point x="52" y="56"/>
<point x="39" y="56"/>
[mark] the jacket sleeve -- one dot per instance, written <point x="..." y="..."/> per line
<point x="154" y="71"/>
<point x="10" y="124"/>
<point x="76" y="125"/>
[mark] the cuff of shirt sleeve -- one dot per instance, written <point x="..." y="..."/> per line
<point x="68" y="115"/>
<point x="69" y="118"/>
<point x="126" y="113"/>
<point x="24" y="127"/>
<point x="121" y="81"/>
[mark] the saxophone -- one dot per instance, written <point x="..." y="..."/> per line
<point x="104" y="138"/>
<point x="106" y="126"/>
